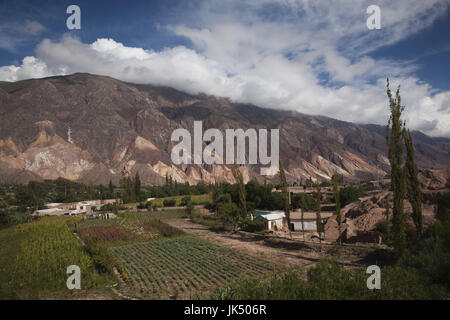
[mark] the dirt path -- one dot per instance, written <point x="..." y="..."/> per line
<point x="284" y="251"/>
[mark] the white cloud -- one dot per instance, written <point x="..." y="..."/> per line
<point x="274" y="64"/>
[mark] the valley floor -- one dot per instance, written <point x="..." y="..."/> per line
<point x="289" y="253"/>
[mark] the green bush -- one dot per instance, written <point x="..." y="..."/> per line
<point x="443" y="208"/>
<point x="142" y="205"/>
<point x="169" y="203"/>
<point x="185" y="200"/>
<point x="253" y="226"/>
<point x="330" y="281"/>
<point x="349" y="194"/>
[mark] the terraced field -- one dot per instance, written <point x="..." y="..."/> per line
<point x="184" y="267"/>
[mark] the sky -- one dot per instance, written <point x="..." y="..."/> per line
<point x="312" y="56"/>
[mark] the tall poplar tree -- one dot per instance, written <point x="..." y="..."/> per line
<point x="394" y="139"/>
<point x="319" y="226"/>
<point x="413" y="185"/>
<point x="137" y="185"/>
<point x="335" y="181"/>
<point x="237" y="174"/>
<point x="285" y="196"/>
<point x="302" y="200"/>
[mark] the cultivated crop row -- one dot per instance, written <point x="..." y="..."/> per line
<point x="184" y="266"/>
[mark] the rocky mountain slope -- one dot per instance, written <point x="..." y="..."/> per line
<point x="94" y="128"/>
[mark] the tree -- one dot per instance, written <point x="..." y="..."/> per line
<point x="413" y="185"/>
<point x="443" y="208"/>
<point x="127" y="193"/>
<point x="229" y="214"/>
<point x="189" y="207"/>
<point x="302" y="206"/>
<point x="394" y="135"/>
<point x="349" y="194"/>
<point x="137" y="185"/>
<point x="237" y="174"/>
<point x="110" y="189"/>
<point x="285" y="195"/>
<point x="386" y="212"/>
<point x="318" y="216"/>
<point x="335" y="180"/>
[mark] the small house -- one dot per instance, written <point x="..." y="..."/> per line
<point x="274" y="221"/>
<point x="309" y="220"/>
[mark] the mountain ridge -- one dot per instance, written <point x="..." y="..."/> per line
<point x="81" y="125"/>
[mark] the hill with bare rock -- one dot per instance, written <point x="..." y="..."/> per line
<point x="93" y="128"/>
<point x="361" y="219"/>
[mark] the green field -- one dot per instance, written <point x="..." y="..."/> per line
<point x="184" y="267"/>
<point x="155" y="260"/>
<point x="35" y="257"/>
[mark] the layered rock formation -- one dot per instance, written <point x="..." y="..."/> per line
<point x="95" y="129"/>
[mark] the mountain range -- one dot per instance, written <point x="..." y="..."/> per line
<point x="95" y="129"/>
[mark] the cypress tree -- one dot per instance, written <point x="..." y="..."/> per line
<point x="394" y="135"/>
<point x="137" y="185"/>
<point x="285" y="196"/>
<point x="318" y="216"/>
<point x="237" y="174"/>
<point x="413" y="185"/>
<point x="302" y="199"/>
<point x="335" y="179"/>
<point x="110" y="188"/>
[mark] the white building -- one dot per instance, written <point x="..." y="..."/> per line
<point x="275" y="220"/>
<point x="50" y="212"/>
<point x="309" y="220"/>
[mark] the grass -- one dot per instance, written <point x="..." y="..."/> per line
<point x="330" y="281"/>
<point x="184" y="267"/>
<point x="35" y="257"/>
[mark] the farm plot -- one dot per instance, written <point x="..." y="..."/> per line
<point x="46" y="249"/>
<point x="128" y="228"/>
<point x="184" y="267"/>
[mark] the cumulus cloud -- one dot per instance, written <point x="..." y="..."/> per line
<point x="314" y="62"/>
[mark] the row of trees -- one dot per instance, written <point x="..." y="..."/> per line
<point x="404" y="173"/>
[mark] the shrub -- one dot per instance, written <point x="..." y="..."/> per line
<point x="185" y="200"/>
<point x="330" y="281"/>
<point x="169" y="202"/>
<point x="142" y="205"/>
<point x="443" y="208"/>
<point x="253" y="226"/>
<point x="349" y="194"/>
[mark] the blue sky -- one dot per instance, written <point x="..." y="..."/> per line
<point x="315" y="57"/>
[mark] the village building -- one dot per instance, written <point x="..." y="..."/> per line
<point x="73" y="208"/>
<point x="309" y="220"/>
<point x="274" y="220"/>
